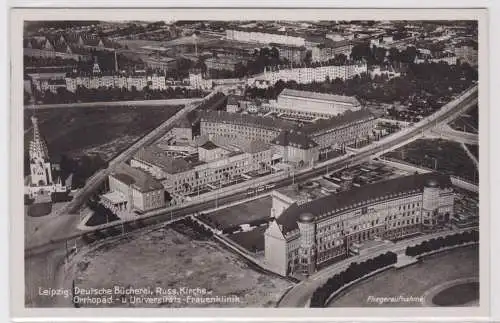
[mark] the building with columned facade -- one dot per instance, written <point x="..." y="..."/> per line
<point x="133" y="189"/>
<point x="314" y="104"/>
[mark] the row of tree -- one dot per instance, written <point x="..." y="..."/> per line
<point x="353" y="272"/>
<point x="102" y="214"/>
<point x="30" y="61"/>
<point x="376" y="55"/>
<point x="442" y="242"/>
<point x="83" y="94"/>
<point x="202" y="231"/>
<point x="81" y="168"/>
<point x="216" y="102"/>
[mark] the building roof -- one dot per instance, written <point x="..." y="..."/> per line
<point x="156" y="156"/>
<point x="295" y="138"/>
<point x="306" y="218"/>
<point x="320" y="96"/>
<point x="209" y="145"/>
<point x="358" y="196"/>
<point x="224" y="60"/>
<point x="254" y="146"/>
<point x="114" y="197"/>
<point x="335" y="44"/>
<point x="138" y="178"/>
<point x="246" y="120"/>
<point x="160" y="60"/>
<point x="338" y="121"/>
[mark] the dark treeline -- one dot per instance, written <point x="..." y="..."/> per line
<point x="442" y="242"/>
<point x="83" y="94"/>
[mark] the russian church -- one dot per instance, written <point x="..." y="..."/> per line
<point x="41" y="178"/>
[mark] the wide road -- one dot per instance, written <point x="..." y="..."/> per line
<point x="301" y="293"/>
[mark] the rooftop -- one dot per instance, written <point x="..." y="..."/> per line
<point x="320" y="96"/>
<point x="224" y="60"/>
<point x="246" y="119"/>
<point x="209" y="145"/>
<point x="352" y="198"/>
<point x="338" y="121"/>
<point x="295" y="138"/>
<point x="156" y="156"/>
<point x="114" y="197"/>
<point x="141" y="180"/>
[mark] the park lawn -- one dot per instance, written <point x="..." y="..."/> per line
<point x="468" y="122"/>
<point x="103" y="130"/>
<point x="449" y="157"/>
<point x="166" y="258"/>
<point x="414" y="280"/>
<point x="474" y="149"/>
<point x="457" y="295"/>
<point x="244" y="213"/>
<point x="252" y="240"/>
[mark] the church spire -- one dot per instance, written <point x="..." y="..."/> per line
<point x="96" y="69"/>
<point x="38" y="148"/>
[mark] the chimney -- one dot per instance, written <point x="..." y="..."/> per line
<point x="116" y="63"/>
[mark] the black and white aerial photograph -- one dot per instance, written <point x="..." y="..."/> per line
<point x="250" y="163"/>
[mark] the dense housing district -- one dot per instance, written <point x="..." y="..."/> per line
<point x="295" y="145"/>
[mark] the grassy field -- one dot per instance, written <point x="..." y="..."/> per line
<point x="444" y="156"/>
<point x="244" y="213"/>
<point x="168" y="259"/>
<point x="102" y="130"/>
<point x="252" y="240"/>
<point x="474" y="149"/>
<point x="414" y="280"/>
<point x="468" y="122"/>
<point x="457" y="295"/>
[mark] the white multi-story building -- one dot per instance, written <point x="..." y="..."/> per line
<point x="179" y="176"/>
<point x="313" y="104"/>
<point x="328" y="134"/>
<point x="304" y="75"/>
<point x="94" y="81"/>
<point x="254" y="36"/>
<point x="330" y="49"/>
<point x="308" y="233"/>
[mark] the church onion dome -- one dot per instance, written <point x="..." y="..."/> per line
<point x="306" y="218"/>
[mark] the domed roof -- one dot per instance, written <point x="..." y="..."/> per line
<point x="431" y="183"/>
<point x="306" y="218"/>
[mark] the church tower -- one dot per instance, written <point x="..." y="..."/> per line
<point x="40" y="169"/>
<point x="96" y="68"/>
